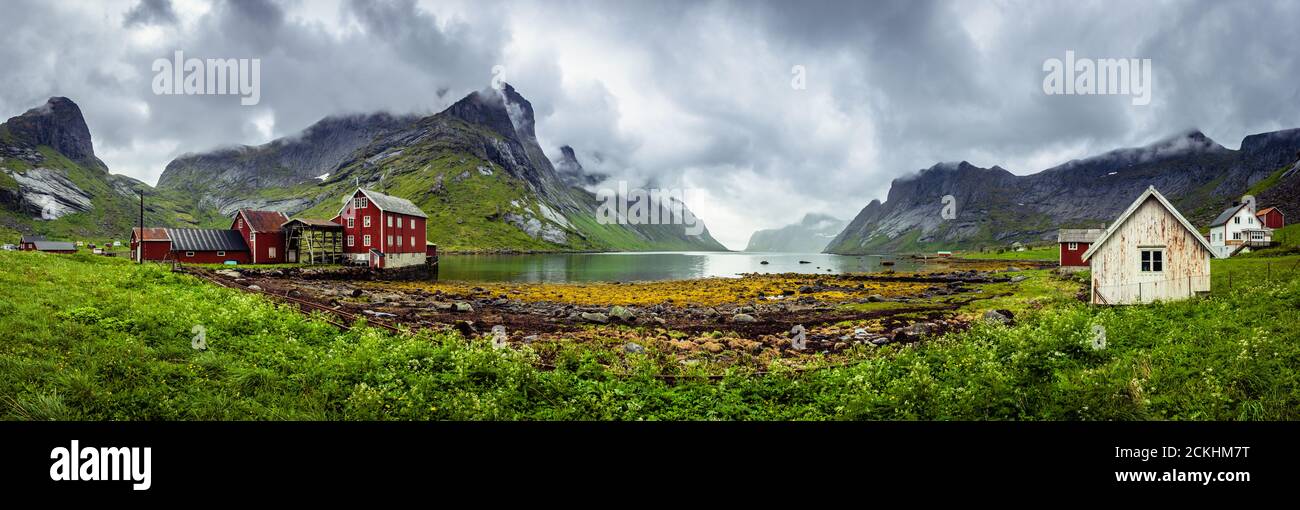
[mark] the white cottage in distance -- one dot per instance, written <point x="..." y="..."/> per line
<point x="1237" y="228"/>
<point x="1150" y="253"/>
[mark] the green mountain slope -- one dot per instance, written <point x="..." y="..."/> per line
<point x="476" y="169"/>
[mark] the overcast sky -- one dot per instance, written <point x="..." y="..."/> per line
<point x="696" y="94"/>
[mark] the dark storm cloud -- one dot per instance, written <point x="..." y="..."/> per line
<point x="151" y="12"/>
<point x="681" y="93"/>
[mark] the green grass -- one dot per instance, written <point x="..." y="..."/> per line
<point x="1031" y="253"/>
<point x="96" y="338"/>
<point x="1268" y="182"/>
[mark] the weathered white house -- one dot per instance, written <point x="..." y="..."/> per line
<point x="1150" y="253"/>
<point x="1237" y="228"/>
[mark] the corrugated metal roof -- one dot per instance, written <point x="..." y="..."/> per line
<point x="203" y="239"/>
<point x="1226" y="215"/>
<point x="389" y="203"/>
<point x="152" y="234"/>
<point x="1266" y="210"/>
<point x="1078" y="235"/>
<point x="264" y="221"/>
<point x="31" y="239"/>
<point x="55" y="246"/>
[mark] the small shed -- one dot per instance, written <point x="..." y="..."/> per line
<point x="1271" y="217"/>
<point x="150" y="244"/>
<point x="28" y="243"/>
<point x="1151" y="252"/>
<point x="1074" y="242"/>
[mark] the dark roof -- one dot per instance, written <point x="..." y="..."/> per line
<point x="151" y="234"/>
<point x="264" y="221"/>
<point x="389" y="203"/>
<point x="313" y="223"/>
<point x="31" y="239"/>
<point x="55" y="246"/>
<point x="1226" y="215"/>
<point x="204" y="239"/>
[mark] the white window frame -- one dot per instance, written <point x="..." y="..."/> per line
<point x="1073" y="246"/>
<point x="1149" y="262"/>
<point x="352" y="222"/>
<point x="365" y="241"/>
<point x="352" y="241"/>
<point x="221" y="254"/>
<point x="390" y="222"/>
<point x="360" y="202"/>
<point x="365" y="221"/>
<point x="412" y="222"/>
<point x="412" y="241"/>
<point x="399" y="241"/>
<point x="1237" y="220"/>
<point x="189" y="254"/>
<point x="1236" y="236"/>
<point x="390" y="242"/>
<point x="270" y="252"/>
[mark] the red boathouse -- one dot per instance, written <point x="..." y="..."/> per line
<point x="382" y="230"/>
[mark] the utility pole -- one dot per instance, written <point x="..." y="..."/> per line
<point x="139" y="241"/>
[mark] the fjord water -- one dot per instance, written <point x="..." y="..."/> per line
<point x="647" y="266"/>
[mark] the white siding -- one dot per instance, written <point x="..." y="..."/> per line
<point x="1117" y="277"/>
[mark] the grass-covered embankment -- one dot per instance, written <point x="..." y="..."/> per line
<point x="85" y="337"/>
<point x="1035" y="253"/>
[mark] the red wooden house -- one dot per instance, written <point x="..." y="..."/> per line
<point x="1074" y="242"/>
<point x="382" y="230"/>
<point x="262" y="233"/>
<point x="152" y="244"/>
<point x="1271" y="217"/>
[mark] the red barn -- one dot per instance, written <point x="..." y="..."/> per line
<point x="1271" y="217"/>
<point x="207" y="246"/>
<point x="262" y="234"/>
<point x="382" y="230"/>
<point x="153" y="244"/>
<point x="1074" y="242"/>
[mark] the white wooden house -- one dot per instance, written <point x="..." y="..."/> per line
<point x="1237" y="228"/>
<point x="1150" y="253"/>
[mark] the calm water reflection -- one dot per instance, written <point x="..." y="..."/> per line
<point x="642" y="266"/>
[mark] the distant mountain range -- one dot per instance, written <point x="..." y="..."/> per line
<point x="995" y="207"/>
<point x="476" y="168"/>
<point x="810" y="235"/>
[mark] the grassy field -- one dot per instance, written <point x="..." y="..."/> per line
<point x="1035" y="253"/>
<point x="84" y="337"/>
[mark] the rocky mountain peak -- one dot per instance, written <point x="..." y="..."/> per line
<point x="505" y="111"/>
<point x="572" y="172"/>
<point x="58" y="124"/>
